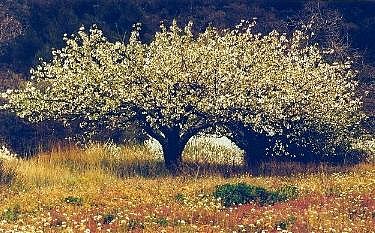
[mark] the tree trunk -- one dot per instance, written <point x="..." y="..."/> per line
<point x="254" y="155"/>
<point x="254" y="145"/>
<point x="173" y="157"/>
<point x="172" y="150"/>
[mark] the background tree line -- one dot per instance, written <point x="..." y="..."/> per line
<point x="38" y="26"/>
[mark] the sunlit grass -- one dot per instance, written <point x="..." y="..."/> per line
<point x="121" y="189"/>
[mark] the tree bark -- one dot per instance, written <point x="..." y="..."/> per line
<point x="171" y="138"/>
<point x="254" y="155"/>
<point x="173" y="147"/>
<point x="173" y="158"/>
<point x="254" y="146"/>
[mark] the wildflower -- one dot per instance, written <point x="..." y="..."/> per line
<point x="5" y="153"/>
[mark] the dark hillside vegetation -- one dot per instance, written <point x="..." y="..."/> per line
<point x="45" y="22"/>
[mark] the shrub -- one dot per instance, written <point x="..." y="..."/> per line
<point x="6" y="154"/>
<point x="366" y="145"/>
<point x="241" y="193"/>
<point x="234" y="194"/>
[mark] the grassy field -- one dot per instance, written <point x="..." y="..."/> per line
<point x="112" y="189"/>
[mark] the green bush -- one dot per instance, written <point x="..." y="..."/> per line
<point x="162" y="221"/>
<point x="234" y="194"/>
<point x="241" y="193"/>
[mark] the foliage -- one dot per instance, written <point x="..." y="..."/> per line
<point x="285" y="89"/>
<point x="241" y="193"/>
<point x="47" y="21"/>
<point x="26" y="138"/>
<point x="366" y="144"/>
<point x="10" y="27"/>
<point x="283" y="194"/>
<point x="116" y="83"/>
<point x="39" y="25"/>
<point x="50" y="19"/>
<point x="180" y="197"/>
<point x="5" y="154"/>
<point x="181" y="84"/>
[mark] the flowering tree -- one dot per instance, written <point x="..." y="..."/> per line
<point x="265" y="90"/>
<point x="284" y="92"/>
<point x="165" y="86"/>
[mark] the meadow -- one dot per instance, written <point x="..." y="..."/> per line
<point x="106" y="188"/>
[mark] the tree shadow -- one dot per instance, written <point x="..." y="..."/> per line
<point x="156" y="169"/>
<point x="295" y="168"/>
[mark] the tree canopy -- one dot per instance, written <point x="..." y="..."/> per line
<point x="277" y="88"/>
<point x="164" y="86"/>
<point x="282" y="91"/>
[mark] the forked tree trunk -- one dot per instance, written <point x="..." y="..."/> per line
<point x="172" y="140"/>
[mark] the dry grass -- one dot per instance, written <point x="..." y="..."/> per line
<point x="128" y="190"/>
